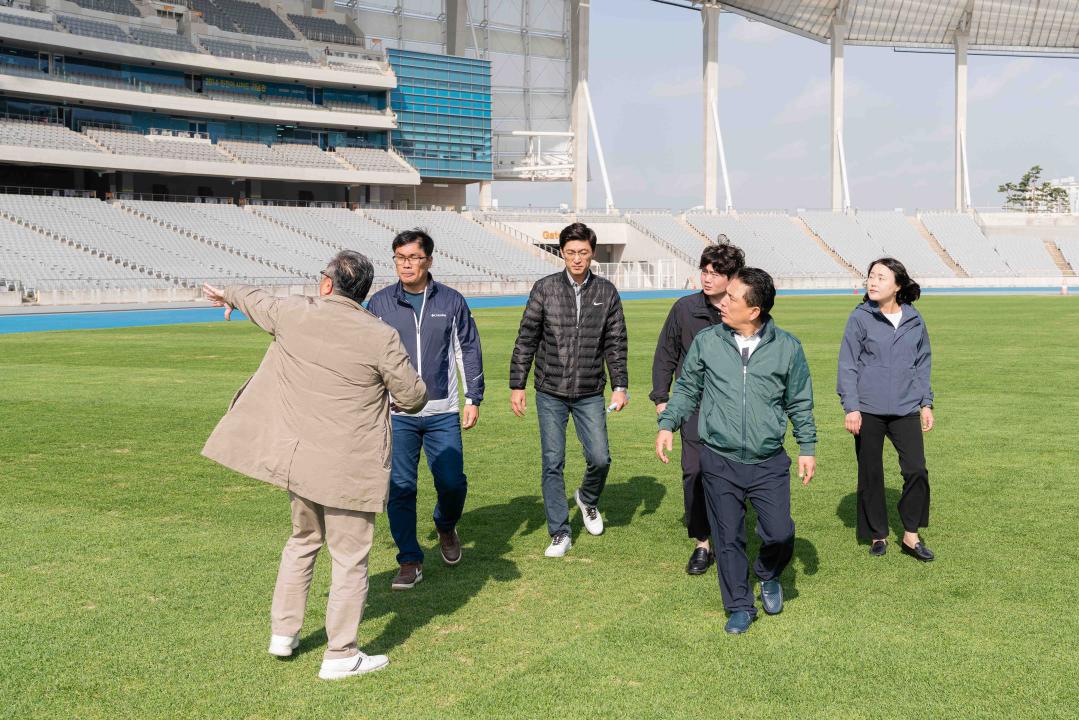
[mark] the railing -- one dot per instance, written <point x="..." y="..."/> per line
<point x="639" y="274"/>
<point x="50" y="192"/>
<point x="173" y="198"/>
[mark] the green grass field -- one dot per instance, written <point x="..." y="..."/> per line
<point x="135" y="576"/>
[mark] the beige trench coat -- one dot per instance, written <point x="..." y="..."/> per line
<point x="314" y="418"/>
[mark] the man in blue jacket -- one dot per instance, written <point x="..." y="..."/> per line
<point x="438" y="332"/>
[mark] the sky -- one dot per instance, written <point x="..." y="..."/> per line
<point x="645" y="79"/>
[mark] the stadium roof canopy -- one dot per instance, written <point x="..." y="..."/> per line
<point x="1050" y="26"/>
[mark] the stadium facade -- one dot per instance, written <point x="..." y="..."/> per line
<point x="148" y="146"/>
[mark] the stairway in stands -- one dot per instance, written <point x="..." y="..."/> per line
<point x="937" y="247"/>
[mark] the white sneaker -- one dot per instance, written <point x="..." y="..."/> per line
<point x="283" y="645"/>
<point x="355" y="665"/>
<point x="593" y="521"/>
<point x="560" y="543"/>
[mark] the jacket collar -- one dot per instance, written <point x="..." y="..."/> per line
<point x="909" y="312"/>
<point x="703" y="308"/>
<point x="767" y="332"/>
<point x="587" y="278"/>
<point x="399" y="289"/>
<point x="342" y="300"/>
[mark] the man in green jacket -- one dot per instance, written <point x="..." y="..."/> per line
<point x="747" y="376"/>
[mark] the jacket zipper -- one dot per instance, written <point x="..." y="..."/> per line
<point x="419" y="348"/>
<point x="745" y="371"/>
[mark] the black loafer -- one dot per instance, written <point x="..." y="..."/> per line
<point x="878" y="548"/>
<point x="699" y="561"/>
<point x="918" y="552"/>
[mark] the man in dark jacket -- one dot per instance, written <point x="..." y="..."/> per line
<point x="688" y="316"/>
<point x="440" y="336"/>
<point x="748" y="377"/>
<point x="572" y="324"/>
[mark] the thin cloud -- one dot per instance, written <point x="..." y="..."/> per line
<point x="730" y="77"/>
<point x="986" y="88"/>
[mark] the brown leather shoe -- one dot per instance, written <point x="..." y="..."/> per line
<point x="407" y="576"/>
<point x="450" y="545"/>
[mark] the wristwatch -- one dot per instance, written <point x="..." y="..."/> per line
<point x="619" y="389"/>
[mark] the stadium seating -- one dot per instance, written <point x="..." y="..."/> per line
<point x="964" y="241"/>
<point x="894" y="233"/>
<point x="771" y="241"/>
<point x="845" y="236"/>
<point x="670" y="231"/>
<point x="30" y="22"/>
<point x="324" y="30"/>
<point x="130" y="142"/>
<point x="464" y="240"/>
<point x="254" y="19"/>
<point x="373" y="159"/>
<point x="163" y="40"/>
<point x="1025" y="255"/>
<point x="81" y="247"/>
<point x="1069" y="248"/>
<point x="347" y="229"/>
<point x="41" y="134"/>
<point x="93" y="28"/>
<point x="116" y="7"/>
<point x="211" y="15"/>
<point x="243" y="232"/>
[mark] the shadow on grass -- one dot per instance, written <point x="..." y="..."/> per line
<point x="805" y="556"/>
<point x="620" y="501"/>
<point x="486" y="535"/>
<point x="847" y="511"/>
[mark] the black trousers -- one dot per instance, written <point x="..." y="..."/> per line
<point x="767" y="485"/>
<point x="905" y="432"/>
<point x="692" y="489"/>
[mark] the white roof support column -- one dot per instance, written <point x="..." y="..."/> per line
<point x="457" y="28"/>
<point x="710" y="19"/>
<point x="962" y="191"/>
<point x="839" y="34"/>
<point x="579" y="106"/>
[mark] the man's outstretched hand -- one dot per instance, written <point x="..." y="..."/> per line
<point x="217" y="297"/>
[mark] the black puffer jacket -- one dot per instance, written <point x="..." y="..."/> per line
<point x="570" y="354"/>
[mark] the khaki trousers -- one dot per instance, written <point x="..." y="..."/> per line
<point x="348" y="535"/>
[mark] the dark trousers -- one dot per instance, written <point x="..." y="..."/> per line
<point x="727" y="486"/>
<point x="590" y="421"/>
<point x="692" y="488"/>
<point x="905" y="433"/>
<point x="440" y="437"/>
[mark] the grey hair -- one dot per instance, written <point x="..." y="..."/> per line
<point x="352" y="275"/>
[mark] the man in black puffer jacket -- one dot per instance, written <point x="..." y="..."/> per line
<point x="573" y="323"/>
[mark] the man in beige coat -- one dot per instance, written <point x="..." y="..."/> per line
<point x="314" y="420"/>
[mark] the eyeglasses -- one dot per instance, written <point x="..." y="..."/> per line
<point x="409" y="259"/>
<point x="325" y="274"/>
<point x="571" y="254"/>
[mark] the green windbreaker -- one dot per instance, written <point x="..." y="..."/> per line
<point x="744" y="407"/>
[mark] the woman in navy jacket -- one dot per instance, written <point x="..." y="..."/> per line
<point x="884" y="364"/>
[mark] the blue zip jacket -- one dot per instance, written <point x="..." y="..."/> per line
<point x="884" y="370"/>
<point x="443" y="338"/>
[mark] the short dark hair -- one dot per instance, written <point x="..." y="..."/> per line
<point x="407" y="237"/>
<point x="723" y="258"/>
<point x="577" y="231"/>
<point x="908" y="292"/>
<point x="760" y="290"/>
<point x="352" y="274"/>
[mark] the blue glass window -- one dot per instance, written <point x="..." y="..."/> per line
<point x="443" y="107"/>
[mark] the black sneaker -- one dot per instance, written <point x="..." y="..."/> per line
<point x="699" y="561"/>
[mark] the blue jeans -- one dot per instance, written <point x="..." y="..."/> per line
<point x="440" y="438"/>
<point x="590" y="421"/>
